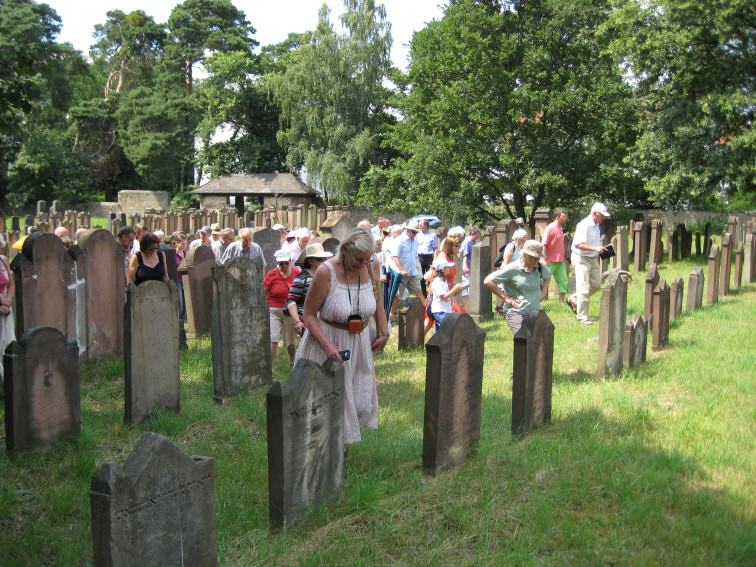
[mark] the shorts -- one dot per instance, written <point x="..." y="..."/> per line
<point x="412" y="283"/>
<point x="280" y="325"/>
<point x="559" y="272"/>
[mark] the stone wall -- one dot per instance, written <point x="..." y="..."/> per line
<point x="133" y="201"/>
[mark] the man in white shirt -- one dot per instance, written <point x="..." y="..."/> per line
<point x="244" y="247"/>
<point x="586" y="246"/>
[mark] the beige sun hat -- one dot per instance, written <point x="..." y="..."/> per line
<point x="533" y="248"/>
<point x="316" y="250"/>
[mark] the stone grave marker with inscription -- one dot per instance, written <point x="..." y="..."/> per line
<point x="660" y="317"/>
<point x="241" y="327"/>
<point x="739" y="256"/>
<point x="676" y="298"/>
<point x="305" y="440"/>
<point x="652" y="280"/>
<point x="695" y="289"/>
<point x="270" y="241"/>
<point x="712" y="276"/>
<point x="655" y="255"/>
<point x="411" y="324"/>
<point x="453" y="389"/>
<point x="331" y="245"/>
<point x="725" y="265"/>
<point x="479" y="304"/>
<point x="635" y="341"/>
<point x="639" y="246"/>
<point x="612" y="324"/>
<point x="621" y="259"/>
<point x="198" y="289"/>
<point x="156" y="510"/>
<point x="532" y="373"/>
<point x="42" y="403"/>
<point x="151" y="349"/>
<point x="749" y="258"/>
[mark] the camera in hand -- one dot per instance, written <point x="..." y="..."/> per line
<point x="345" y="354"/>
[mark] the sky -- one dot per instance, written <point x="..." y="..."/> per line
<point x="273" y="19"/>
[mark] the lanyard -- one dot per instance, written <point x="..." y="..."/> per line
<point x="349" y="289"/>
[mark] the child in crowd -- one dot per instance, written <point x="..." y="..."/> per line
<point x="440" y="300"/>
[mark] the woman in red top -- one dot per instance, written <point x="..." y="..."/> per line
<point x="277" y="283"/>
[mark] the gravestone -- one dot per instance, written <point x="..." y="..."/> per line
<point x="621" y="260"/>
<point x="739" y="256"/>
<point x="453" y="389"/>
<point x="533" y="360"/>
<point x="707" y="239"/>
<point x="635" y="341"/>
<point x="698" y="243"/>
<point x="41" y="208"/>
<point x="305" y="440"/>
<point x="655" y="256"/>
<point x="411" y="324"/>
<point x="660" y="317"/>
<point x="749" y="260"/>
<point x="676" y="298"/>
<point x="612" y="324"/>
<point x="686" y="242"/>
<point x="270" y="241"/>
<point x="652" y="280"/>
<point x="156" y="510"/>
<point x="102" y="266"/>
<point x="712" y="276"/>
<point x="639" y="246"/>
<point x="16" y="224"/>
<point x="337" y="226"/>
<point x="241" y="327"/>
<point x="695" y="289"/>
<point x="198" y="289"/>
<point x="331" y="245"/>
<point x="151" y="349"/>
<point x="725" y="266"/>
<point x="56" y="208"/>
<point x="41" y="389"/>
<point x="479" y="303"/>
<point x="604" y="263"/>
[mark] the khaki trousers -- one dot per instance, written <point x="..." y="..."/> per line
<point x="587" y="282"/>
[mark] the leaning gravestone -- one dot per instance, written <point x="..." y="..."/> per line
<point x="712" y="276"/>
<point x="411" y="324"/>
<point x="533" y="360"/>
<point x="695" y="289"/>
<point x="652" y="280"/>
<point x="102" y="266"/>
<point x="612" y="324"/>
<point x="270" y="241"/>
<point x="156" y="510"/>
<point x="660" y="320"/>
<point x="676" y="298"/>
<point x="198" y="289"/>
<point x="151" y="350"/>
<point x="479" y="302"/>
<point x="635" y="341"/>
<point x="725" y="266"/>
<point x="305" y="440"/>
<point x="453" y="389"/>
<point x="41" y="389"/>
<point x="241" y="327"/>
<point x="739" y="256"/>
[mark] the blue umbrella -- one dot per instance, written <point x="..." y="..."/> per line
<point x="432" y="219"/>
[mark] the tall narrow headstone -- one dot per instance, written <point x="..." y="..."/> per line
<point x="151" y="349"/>
<point x="652" y="279"/>
<point x="655" y="255"/>
<point x="739" y="256"/>
<point x="241" y="327"/>
<point x="41" y="389"/>
<point x="695" y="289"/>
<point x="198" y="289"/>
<point x="453" y="389"/>
<point x="698" y="243"/>
<point x="479" y="302"/>
<point x="749" y="259"/>
<point x="676" y="298"/>
<point x="533" y="360"/>
<point x="635" y="341"/>
<point x="156" y="510"/>
<point x="621" y="260"/>
<point x="102" y="266"/>
<point x="725" y="266"/>
<point x="707" y="239"/>
<point x="411" y="324"/>
<point x="639" y="247"/>
<point x="305" y="440"/>
<point x="612" y="324"/>
<point x="41" y="208"/>
<point x="270" y="241"/>
<point x="712" y="276"/>
<point x="660" y="318"/>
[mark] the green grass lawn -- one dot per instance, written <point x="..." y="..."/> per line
<point x="656" y="467"/>
<point x="95" y="220"/>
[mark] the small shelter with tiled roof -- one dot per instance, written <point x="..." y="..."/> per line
<point x="266" y="189"/>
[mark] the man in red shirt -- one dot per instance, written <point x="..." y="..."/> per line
<point x="553" y="248"/>
<point x="277" y="283"/>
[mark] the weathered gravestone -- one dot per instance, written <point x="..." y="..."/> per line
<point x="676" y="298"/>
<point x="152" y="349"/>
<point x="749" y="260"/>
<point x="156" y="510"/>
<point x="655" y="256"/>
<point x="331" y="245"/>
<point x="660" y="317"/>
<point x="305" y="440"/>
<point x="270" y="241"/>
<point x="411" y="324"/>
<point x="621" y="259"/>
<point x="652" y="280"/>
<point x="198" y="289"/>
<point x="102" y="266"/>
<point x="725" y="266"/>
<point x="707" y="239"/>
<point x="639" y="246"/>
<point x="698" y="243"/>
<point x="635" y="340"/>
<point x="739" y="256"/>
<point x="337" y="226"/>
<point x="612" y="323"/>
<point x="695" y="289"/>
<point x="479" y="302"/>
<point x="533" y="360"/>
<point x="453" y="389"/>
<point x="41" y="389"/>
<point x="41" y="208"/>
<point x="241" y="327"/>
<point x="712" y="276"/>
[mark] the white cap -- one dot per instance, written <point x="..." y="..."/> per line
<point x="278" y="226"/>
<point x="600" y="208"/>
<point x="442" y="263"/>
<point x="282" y="256"/>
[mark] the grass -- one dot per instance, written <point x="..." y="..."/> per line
<point x="95" y="220"/>
<point x="657" y="466"/>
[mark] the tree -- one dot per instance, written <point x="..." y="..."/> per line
<point x="505" y="102"/>
<point x="331" y="99"/>
<point x="692" y="65"/>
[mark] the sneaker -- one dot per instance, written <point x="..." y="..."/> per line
<point x="586" y="321"/>
<point x="571" y="304"/>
